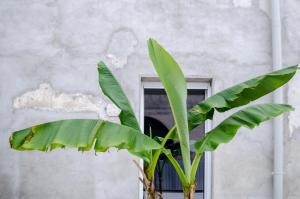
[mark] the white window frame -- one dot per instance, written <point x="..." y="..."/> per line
<point x="192" y="83"/>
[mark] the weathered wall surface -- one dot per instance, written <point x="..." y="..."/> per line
<point x="291" y="55"/>
<point x="48" y="55"/>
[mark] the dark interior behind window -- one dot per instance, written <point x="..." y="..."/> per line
<point x="158" y="118"/>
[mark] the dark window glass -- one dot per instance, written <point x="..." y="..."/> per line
<point x="158" y="119"/>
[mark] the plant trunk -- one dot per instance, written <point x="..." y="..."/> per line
<point x="152" y="194"/>
<point x="148" y="183"/>
<point x="189" y="193"/>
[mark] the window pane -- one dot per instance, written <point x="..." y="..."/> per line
<point x="158" y="119"/>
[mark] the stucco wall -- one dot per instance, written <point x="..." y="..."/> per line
<point x="48" y="55"/>
<point x="291" y="55"/>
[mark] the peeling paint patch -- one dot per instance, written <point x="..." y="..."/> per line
<point x="112" y="110"/>
<point x="293" y="99"/>
<point x="46" y="98"/>
<point x="121" y="45"/>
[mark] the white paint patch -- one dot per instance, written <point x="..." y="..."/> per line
<point x="112" y="110"/>
<point x="242" y="3"/>
<point x="116" y="62"/>
<point x="122" y="44"/>
<point x="46" y="98"/>
<point x="294" y="100"/>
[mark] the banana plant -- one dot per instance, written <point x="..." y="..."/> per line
<point x="100" y="135"/>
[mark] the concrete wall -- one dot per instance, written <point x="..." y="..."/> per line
<point x="291" y="55"/>
<point x="48" y="55"/>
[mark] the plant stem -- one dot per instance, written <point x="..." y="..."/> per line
<point x="195" y="165"/>
<point x="148" y="183"/>
<point x="189" y="193"/>
<point x="151" y="191"/>
<point x="180" y="173"/>
<point x="151" y="169"/>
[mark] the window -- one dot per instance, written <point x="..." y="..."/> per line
<point x="158" y="119"/>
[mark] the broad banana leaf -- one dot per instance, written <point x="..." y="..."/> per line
<point x="174" y="83"/>
<point x="83" y="134"/>
<point x="248" y="117"/>
<point x="239" y="95"/>
<point x="112" y="89"/>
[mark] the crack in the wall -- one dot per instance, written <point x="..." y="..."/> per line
<point x="46" y="98"/>
<point x="121" y="45"/>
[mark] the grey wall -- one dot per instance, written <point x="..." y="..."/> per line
<point x="48" y="55"/>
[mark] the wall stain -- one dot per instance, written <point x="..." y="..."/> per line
<point x="46" y="98"/>
<point x="120" y="46"/>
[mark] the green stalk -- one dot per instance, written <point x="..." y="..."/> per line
<point x="155" y="157"/>
<point x="195" y="165"/>
<point x="185" y="152"/>
<point x="172" y="78"/>
<point x="182" y="176"/>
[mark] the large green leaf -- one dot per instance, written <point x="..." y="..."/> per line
<point x="174" y="83"/>
<point x="83" y="134"/>
<point x="248" y="117"/>
<point x="112" y="89"/>
<point x="239" y="95"/>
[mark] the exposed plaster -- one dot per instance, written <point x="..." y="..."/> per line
<point x="112" y="110"/>
<point x="46" y="98"/>
<point x="121" y="45"/>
